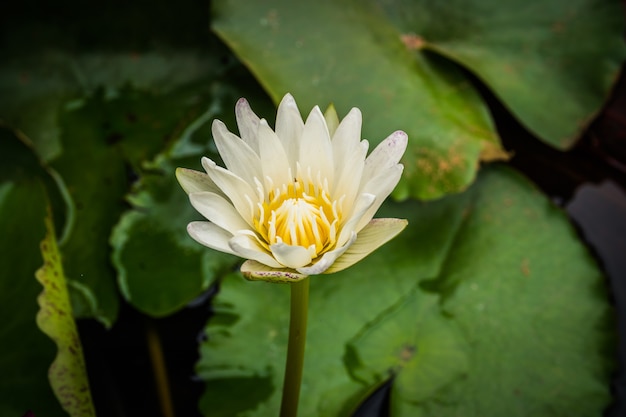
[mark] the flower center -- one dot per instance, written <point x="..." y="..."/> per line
<point x="299" y="214"/>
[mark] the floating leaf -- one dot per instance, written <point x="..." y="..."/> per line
<point x="67" y="374"/>
<point x="150" y="236"/>
<point x="552" y="63"/>
<point x="97" y="104"/>
<point x="470" y="309"/>
<point x="358" y="60"/>
<point x="25" y="353"/>
<point x="96" y="186"/>
<point x="393" y="59"/>
<point x="115" y="132"/>
<point x="415" y="344"/>
<point x="50" y="64"/>
<point x="160" y="268"/>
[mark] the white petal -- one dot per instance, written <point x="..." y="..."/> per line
<point x="348" y="182"/>
<point x="332" y="120"/>
<point x="238" y="157"/>
<point x="348" y="134"/>
<point x="349" y="155"/>
<point x="316" y="150"/>
<point x="210" y="235"/>
<point x="289" y="126"/>
<point x="273" y="157"/>
<point x="218" y="210"/>
<point x="362" y="206"/>
<point x="248" y="123"/>
<point x="386" y="155"/>
<point x="328" y="259"/>
<point x="235" y="188"/>
<point x="256" y="271"/>
<point x="194" y="181"/>
<point x="381" y="186"/>
<point x="248" y="248"/>
<point x="291" y="256"/>
<point x="371" y="237"/>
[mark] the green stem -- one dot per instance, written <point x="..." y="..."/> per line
<point x="295" y="349"/>
<point x="160" y="370"/>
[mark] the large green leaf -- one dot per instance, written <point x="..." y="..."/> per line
<point x="148" y="238"/>
<point x="357" y="60"/>
<point x="55" y="55"/>
<point x="552" y="63"/>
<point x="25" y="352"/>
<point x="96" y="114"/>
<point x="67" y="373"/>
<point x="414" y="343"/>
<point x="160" y="268"/>
<point x="524" y="292"/>
<point x="478" y="308"/>
<point x="96" y="179"/>
<point x="37" y="90"/>
<point x="100" y="136"/>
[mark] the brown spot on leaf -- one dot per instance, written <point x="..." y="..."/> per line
<point x="525" y="267"/>
<point x="270" y="19"/>
<point x="407" y="353"/>
<point x="412" y="41"/>
<point x="508" y="68"/>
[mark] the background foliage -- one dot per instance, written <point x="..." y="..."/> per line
<point x="488" y="304"/>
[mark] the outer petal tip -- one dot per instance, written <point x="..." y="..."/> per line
<point x="377" y="232"/>
<point x="180" y="173"/>
<point x="256" y="271"/>
<point x="242" y="102"/>
<point x="207" y="163"/>
<point x="194" y="181"/>
<point x="288" y="99"/>
<point x="399" y="138"/>
<point x="185" y="174"/>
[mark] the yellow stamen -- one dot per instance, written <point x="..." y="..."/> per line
<point x="299" y="213"/>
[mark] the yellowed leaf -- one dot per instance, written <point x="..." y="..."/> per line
<point x="67" y="374"/>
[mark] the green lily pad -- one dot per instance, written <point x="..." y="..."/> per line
<point x="97" y="104"/>
<point x="103" y="138"/>
<point x="50" y="63"/>
<point x="552" y="63"/>
<point x="37" y="90"/>
<point x="358" y="60"/>
<point x="160" y="268"/>
<point x="25" y="352"/>
<point x="247" y="336"/>
<point x="476" y="309"/>
<point x="414" y="343"/>
<point x="67" y="373"/>
<point x="396" y="61"/>
<point x="535" y="308"/>
<point x="96" y="179"/>
<point x="150" y="236"/>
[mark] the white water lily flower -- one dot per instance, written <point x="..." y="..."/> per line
<point x="296" y="201"/>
